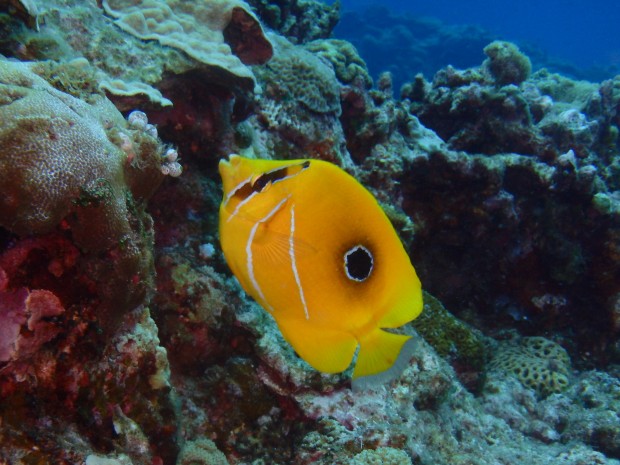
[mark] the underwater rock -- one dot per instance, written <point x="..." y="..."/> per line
<point x="300" y="21"/>
<point x="75" y="399"/>
<point x="582" y="414"/>
<point x="537" y="157"/>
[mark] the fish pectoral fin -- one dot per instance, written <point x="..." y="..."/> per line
<point x="381" y="353"/>
<point x="326" y="350"/>
<point x="275" y="248"/>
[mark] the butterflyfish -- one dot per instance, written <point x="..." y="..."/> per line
<point x="315" y="249"/>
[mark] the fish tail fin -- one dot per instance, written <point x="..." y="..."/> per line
<point x="382" y="357"/>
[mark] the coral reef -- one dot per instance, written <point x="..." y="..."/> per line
<point x="534" y="153"/>
<point x="345" y="59"/>
<point x="221" y="34"/>
<point x="502" y="183"/>
<point x="405" y="44"/>
<point x="191" y="72"/>
<point x="298" y="113"/>
<point x="76" y="171"/>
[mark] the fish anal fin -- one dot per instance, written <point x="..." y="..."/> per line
<point x="326" y="350"/>
<point x="381" y="355"/>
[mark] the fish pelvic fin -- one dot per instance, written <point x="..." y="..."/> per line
<point x="382" y="357"/>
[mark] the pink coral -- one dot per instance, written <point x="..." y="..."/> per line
<point x="23" y="322"/>
<point x="12" y="317"/>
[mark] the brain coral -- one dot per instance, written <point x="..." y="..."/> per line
<point x="48" y="139"/>
<point x="537" y="362"/>
<point x="222" y="34"/>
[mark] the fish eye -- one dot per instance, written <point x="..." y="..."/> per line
<point x="358" y="263"/>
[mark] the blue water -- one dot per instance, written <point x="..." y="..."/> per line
<point x="577" y="38"/>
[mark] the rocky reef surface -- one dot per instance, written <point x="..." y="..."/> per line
<point x="124" y="339"/>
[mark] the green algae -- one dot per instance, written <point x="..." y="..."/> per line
<point x="450" y="337"/>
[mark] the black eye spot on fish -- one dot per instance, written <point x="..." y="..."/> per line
<point x="358" y="263"/>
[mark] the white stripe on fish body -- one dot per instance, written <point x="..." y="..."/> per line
<point x="240" y="205"/>
<point x="291" y="250"/>
<point x="248" y="250"/>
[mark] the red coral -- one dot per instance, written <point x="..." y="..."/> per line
<point x="12" y="317"/>
<point x="23" y="322"/>
<point x="40" y="305"/>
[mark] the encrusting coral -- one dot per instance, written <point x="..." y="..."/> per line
<point x="453" y="340"/>
<point x="223" y="34"/>
<point x="299" y="107"/>
<point x="297" y="76"/>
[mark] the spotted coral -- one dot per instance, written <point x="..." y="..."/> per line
<point x="536" y="362"/>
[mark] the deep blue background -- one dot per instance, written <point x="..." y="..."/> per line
<point x="584" y="33"/>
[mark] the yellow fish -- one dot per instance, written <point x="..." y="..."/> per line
<point x="315" y="249"/>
